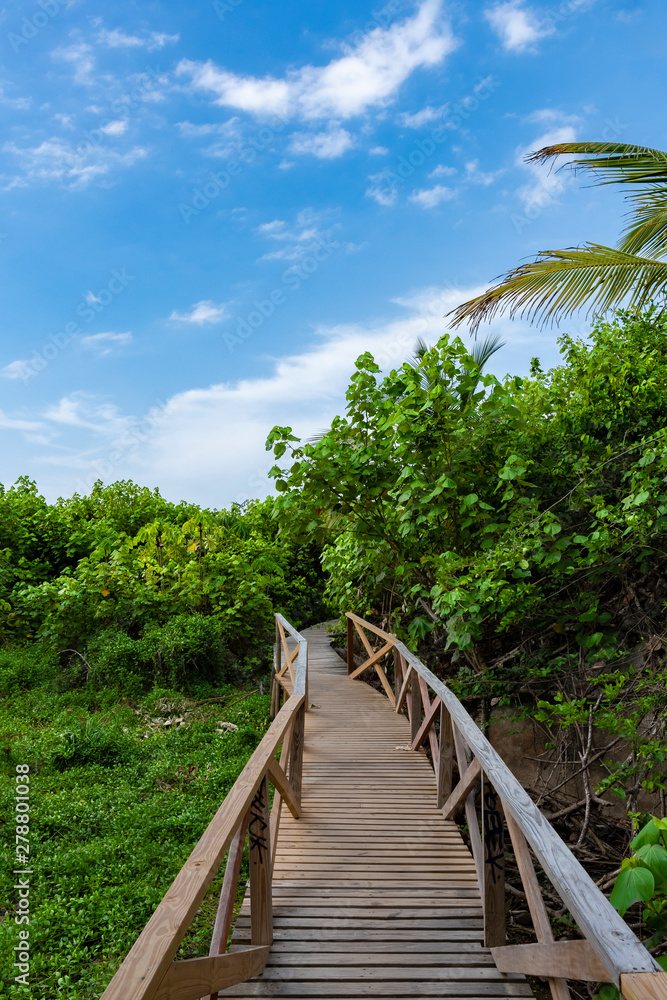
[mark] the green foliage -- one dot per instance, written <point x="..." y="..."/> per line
<point x="119" y="795"/>
<point x="643" y="878"/>
<point x="526" y="518"/>
<point x="128" y="589"/>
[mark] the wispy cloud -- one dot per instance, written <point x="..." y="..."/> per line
<point x="118" y="39"/>
<point x="80" y="56"/>
<point x="18" y="103"/>
<point x="366" y="75"/>
<point x="106" y="343"/>
<point x="297" y="240"/>
<point x="430" y="197"/>
<point x="57" y="160"/>
<point x="202" y="313"/>
<point x="324" y="145"/>
<point x="545" y="184"/>
<point x="426" y="116"/>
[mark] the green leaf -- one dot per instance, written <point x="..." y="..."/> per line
<point x="607" y="991"/>
<point x="655" y="858"/>
<point x="632" y="884"/>
<point x="649" y="834"/>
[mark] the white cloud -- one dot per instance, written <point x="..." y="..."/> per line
<point x="17" y="424"/>
<point x="84" y="411"/>
<point x="423" y="117"/>
<point x="19" y="103"/>
<point x="442" y="171"/>
<point x="208" y="128"/>
<point x="378" y="151"/>
<point x="181" y="444"/>
<point x="519" y="27"/>
<point x="117" y="39"/>
<point x="105" y="343"/>
<point x="546" y="182"/>
<point x="298" y="240"/>
<point x="324" y="145"/>
<point x="430" y="197"/>
<point x="368" y="74"/>
<point x="118" y="127"/>
<point x="18" y="369"/>
<point x="80" y="58"/>
<point x="198" y="432"/>
<point x="474" y="175"/>
<point x="57" y="160"/>
<point x="204" y="312"/>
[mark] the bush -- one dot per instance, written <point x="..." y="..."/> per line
<point x="187" y="649"/>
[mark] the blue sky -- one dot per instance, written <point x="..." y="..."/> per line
<point x="208" y="211"/>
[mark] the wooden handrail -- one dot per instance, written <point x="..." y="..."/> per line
<point x="148" y="971"/>
<point x="620" y="952"/>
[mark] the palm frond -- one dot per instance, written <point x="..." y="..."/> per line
<point x="482" y="351"/>
<point x="614" y="162"/>
<point x="647" y="230"/>
<point x="560" y="282"/>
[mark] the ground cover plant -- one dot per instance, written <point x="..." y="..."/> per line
<point x="119" y="794"/>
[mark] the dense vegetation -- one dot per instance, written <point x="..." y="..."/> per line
<point x="513" y="532"/>
<point x="126" y="589"/>
<point x="131" y="631"/>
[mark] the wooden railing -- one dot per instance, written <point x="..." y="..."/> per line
<point x="610" y="952"/>
<point x="149" y="971"/>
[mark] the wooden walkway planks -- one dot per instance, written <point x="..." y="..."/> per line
<point x="374" y="894"/>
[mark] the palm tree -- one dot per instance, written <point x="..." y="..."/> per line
<point x="559" y="282"/>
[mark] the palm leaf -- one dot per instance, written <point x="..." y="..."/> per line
<point x="483" y="351"/>
<point x="647" y="230"/>
<point x="614" y="162"/>
<point x="560" y="282"/>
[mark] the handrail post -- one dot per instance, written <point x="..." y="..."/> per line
<point x="350" y="646"/>
<point x="261" y="910"/>
<point x="445" y="757"/>
<point x="275" y="686"/>
<point x="415" y="705"/>
<point x="494" y="866"/>
<point x="296" y="753"/>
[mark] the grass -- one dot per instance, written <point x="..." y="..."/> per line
<point x="120" y="791"/>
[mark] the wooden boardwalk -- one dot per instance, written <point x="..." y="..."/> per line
<point x="374" y="893"/>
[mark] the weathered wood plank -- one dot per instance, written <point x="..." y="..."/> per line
<point x="462" y="791"/>
<point x="261" y="910"/>
<point x="282" y="785"/>
<point x="196" y="977"/>
<point x="646" y="986"/>
<point x="558" y="960"/>
<point x="493" y="845"/>
<point x="371" y="661"/>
